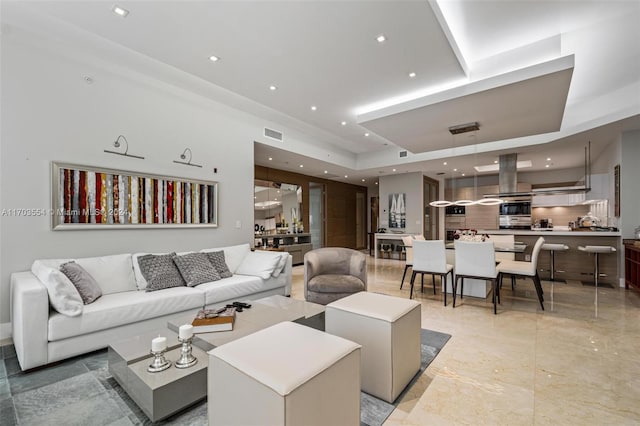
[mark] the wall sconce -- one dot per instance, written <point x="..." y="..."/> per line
<point x="183" y="156"/>
<point x="116" y="144"/>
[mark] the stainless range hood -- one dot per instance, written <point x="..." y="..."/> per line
<point x="508" y="180"/>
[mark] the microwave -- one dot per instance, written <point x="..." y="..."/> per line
<point x="454" y="210"/>
<point x="515" y="208"/>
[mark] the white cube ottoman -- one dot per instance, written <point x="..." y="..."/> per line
<point x="388" y="328"/>
<point x="287" y="374"/>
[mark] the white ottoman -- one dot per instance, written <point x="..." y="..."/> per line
<point x="287" y="374"/>
<point x="388" y="328"/>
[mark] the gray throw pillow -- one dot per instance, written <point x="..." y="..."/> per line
<point x="217" y="260"/>
<point x="196" y="269"/>
<point x="86" y="285"/>
<point x="160" y="271"/>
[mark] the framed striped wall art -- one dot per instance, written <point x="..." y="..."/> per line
<point x="85" y="197"/>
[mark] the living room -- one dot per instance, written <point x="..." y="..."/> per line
<point x="69" y="93"/>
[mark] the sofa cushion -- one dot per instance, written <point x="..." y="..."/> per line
<point x="63" y="296"/>
<point x="334" y="283"/>
<point x="259" y="263"/>
<point x="281" y="264"/>
<point x="160" y="271"/>
<point x="86" y="285"/>
<point x="118" y="309"/>
<point x="233" y="255"/>
<point x="195" y="268"/>
<point x="114" y="274"/>
<point x="217" y="260"/>
<point x="236" y="287"/>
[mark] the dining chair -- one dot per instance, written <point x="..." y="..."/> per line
<point x="429" y="257"/>
<point x="408" y="258"/>
<point x="517" y="268"/>
<point x="504" y="241"/>
<point x="476" y="260"/>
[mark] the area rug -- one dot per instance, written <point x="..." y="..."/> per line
<point x="81" y="391"/>
<point x="374" y="411"/>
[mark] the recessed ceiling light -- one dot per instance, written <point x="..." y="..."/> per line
<point x="301" y="165"/>
<point x="326" y="171"/>
<point x="548" y="158"/>
<point x="412" y="74"/>
<point x="463" y="174"/>
<point x="376" y="183"/>
<point x="366" y="135"/>
<point x="495" y="161"/>
<point x="120" y="11"/>
<point x="270" y="158"/>
<point x="381" y="38"/>
<point x="394" y="170"/>
<point x="313" y="108"/>
<point x="346" y="176"/>
<point x="546" y="165"/>
<point x="272" y="88"/>
<point x="363" y="180"/>
<point x="214" y="58"/>
<point x="455" y="170"/>
<point x="275" y="199"/>
<point x="344" y="123"/>
<point x="444" y="164"/>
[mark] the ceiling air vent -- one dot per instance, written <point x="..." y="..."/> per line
<point x="403" y="154"/>
<point x="273" y="134"/>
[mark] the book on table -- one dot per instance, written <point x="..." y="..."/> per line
<point x="210" y="320"/>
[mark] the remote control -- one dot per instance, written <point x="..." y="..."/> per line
<point x="237" y="308"/>
<point x="242" y="305"/>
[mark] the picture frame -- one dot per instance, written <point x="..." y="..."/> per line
<point x="88" y="197"/>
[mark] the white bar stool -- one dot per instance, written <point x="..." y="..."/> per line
<point x="597" y="250"/>
<point x="553" y="248"/>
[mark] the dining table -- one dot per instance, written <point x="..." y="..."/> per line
<point x="475" y="287"/>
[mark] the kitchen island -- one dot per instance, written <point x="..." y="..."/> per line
<point x="575" y="264"/>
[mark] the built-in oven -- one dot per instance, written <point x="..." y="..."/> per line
<point x="515" y="222"/>
<point x="515" y="208"/>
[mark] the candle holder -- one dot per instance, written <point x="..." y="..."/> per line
<point x="186" y="359"/>
<point x="159" y="363"/>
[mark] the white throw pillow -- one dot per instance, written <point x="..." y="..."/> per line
<point x="114" y="274"/>
<point x="63" y="295"/>
<point x="259" y="264"/>
<point x="233" y="255"/>
<point x="281" y="264"/>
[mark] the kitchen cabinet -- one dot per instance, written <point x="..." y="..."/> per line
<point x="631" y="265"/>
<point x="557" y="200"/>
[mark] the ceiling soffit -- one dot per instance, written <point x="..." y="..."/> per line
<point x="521" y="103"/>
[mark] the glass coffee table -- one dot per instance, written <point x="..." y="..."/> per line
<point x="162" y="394"/>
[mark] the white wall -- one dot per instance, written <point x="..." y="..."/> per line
<point x="411" y="185"/>
<point x="629" y="180"/>
<point x="49" y="113"/>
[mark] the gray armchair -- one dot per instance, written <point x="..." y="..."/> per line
<point x="333" y="273"/>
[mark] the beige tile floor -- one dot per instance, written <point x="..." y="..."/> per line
<point x="524" y="366"/>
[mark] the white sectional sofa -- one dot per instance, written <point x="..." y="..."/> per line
<point x="43" y="335"/>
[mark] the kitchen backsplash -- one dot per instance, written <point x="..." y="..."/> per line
<point x="561" y="216"/>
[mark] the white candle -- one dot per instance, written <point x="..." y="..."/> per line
<point x="185" y="331"/>
<point x="159" y="344"/>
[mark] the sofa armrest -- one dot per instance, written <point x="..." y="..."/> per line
<point x="288" y="272"/>
<point x="29" y="319"/>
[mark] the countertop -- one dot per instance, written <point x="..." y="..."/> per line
<point x="553" y="232"/>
